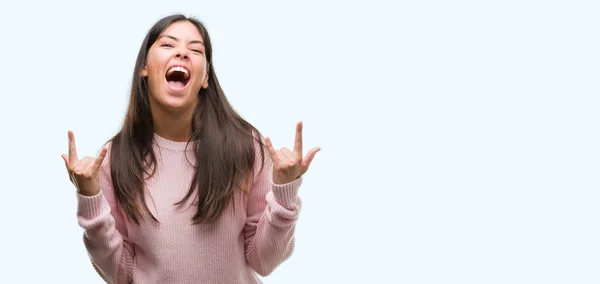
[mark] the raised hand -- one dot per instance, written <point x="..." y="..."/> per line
<point x="288" y="165"/>
<point x="83" y="173"/>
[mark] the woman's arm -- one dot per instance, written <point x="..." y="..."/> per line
<point x="273" y="204"/>
<point x="105" y="234"/>
<point x="272" y="212"/>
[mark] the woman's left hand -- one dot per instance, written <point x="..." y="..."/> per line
<point x="287" y="165"/>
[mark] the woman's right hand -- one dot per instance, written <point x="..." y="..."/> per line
<point x="83" y="173"/>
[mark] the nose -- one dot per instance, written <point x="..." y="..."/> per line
<point x="181" y="53"/>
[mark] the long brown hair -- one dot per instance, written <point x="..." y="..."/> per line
<point x="224" y="157"/>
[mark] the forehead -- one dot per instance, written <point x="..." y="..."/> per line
<point x="183" y="30"/>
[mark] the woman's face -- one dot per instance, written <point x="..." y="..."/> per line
<point x="175" y="68"/>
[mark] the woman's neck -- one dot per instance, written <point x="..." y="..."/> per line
<point x="173" y="126"/>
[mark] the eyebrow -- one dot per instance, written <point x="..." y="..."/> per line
<point x="176" y="39"/>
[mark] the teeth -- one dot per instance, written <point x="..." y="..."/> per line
<point x="178" y="68"/>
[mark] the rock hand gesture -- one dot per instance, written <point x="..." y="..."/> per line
<point x="83" y="173"/>
<point x="288" y="165"/>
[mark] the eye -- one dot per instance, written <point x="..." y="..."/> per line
<point x="166" y="45"/>
<point x="197" y="50"/>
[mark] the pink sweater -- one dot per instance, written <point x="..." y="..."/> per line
<point x="254" y="236"/>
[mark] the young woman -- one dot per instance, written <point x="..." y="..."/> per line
<point x="184" y="192"/>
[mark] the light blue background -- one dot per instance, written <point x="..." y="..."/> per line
<point x="459" y="139"/>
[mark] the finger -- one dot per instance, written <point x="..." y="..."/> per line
<point x="72" y="149"/>
<point x="308" y="159"/>
<point x="82" y="165"/>
<point x="80" y="170"/>
<point x="64" y="157"/>
<point x="88" y="168"/>
<point x="99" y="160"/>
<point x="272" y="151"/>
<point x="290" y="157"/>
<point x="298" y="141"/>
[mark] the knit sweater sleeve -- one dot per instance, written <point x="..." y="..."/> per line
<point x="105" y="234"/>
<point x="272" y="212"/>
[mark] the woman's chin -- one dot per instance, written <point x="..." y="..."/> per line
<point x="176" y="101"/>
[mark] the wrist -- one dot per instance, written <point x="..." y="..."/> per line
<point x="88" y="193"/>
<point x="281" y="179"/>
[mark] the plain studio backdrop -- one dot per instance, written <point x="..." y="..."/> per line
<point x="459" y="139"/>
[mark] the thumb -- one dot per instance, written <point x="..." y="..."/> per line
<point x="308" y="159"/>
<point x="64" y="157"/>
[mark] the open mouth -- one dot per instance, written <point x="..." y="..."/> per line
<point x="177" y="77"/>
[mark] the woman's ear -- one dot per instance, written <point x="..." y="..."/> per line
<point x="205" y="83"/>
<point x="144" y="72"/>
